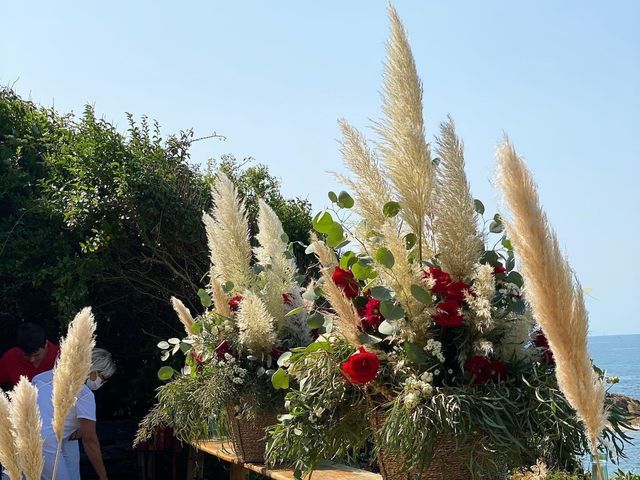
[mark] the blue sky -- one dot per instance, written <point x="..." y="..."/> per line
<point x="561" y="78"/>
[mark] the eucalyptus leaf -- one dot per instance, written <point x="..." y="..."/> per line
<point x="496" y="227"/>
<point x="381" y="293"/>
<point x="228" y="286"/>
<point x="333" y="197"/>
<point x="205" y="299"/>
<point x="479" y="206"/>
<point x="421" y="295"/>
<point x="280" y="379"/>
<point x="367" y="339"/>
<point x="174" y="341"/>
<point x="323" y="222"/>
<point x="315" y="320"/>
<point x="410" y="240"/>
<point x="391" y="209"/>
<point x="391" y="310"/>
<point x="385" y="257"/>
<point x="345" y="200"/>
<point x="415" y="353"/>
<point x="165" y="373"/>
<point x="283" y="360"/>
<point x="163" y="344"/>
<point x="387" y="328"/>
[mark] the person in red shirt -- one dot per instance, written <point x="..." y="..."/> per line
<point x="33" y="354"/>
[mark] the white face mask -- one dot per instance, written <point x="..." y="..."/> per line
<point x="94" y="384"/>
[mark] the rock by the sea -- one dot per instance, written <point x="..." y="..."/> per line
<point x="628" y="404"/>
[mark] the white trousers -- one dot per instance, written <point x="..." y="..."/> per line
<point x="68" y="464"/>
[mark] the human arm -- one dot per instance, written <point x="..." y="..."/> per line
<point x="91" y="446"/>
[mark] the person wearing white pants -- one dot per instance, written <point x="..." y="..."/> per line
<point x="79" y="424"/>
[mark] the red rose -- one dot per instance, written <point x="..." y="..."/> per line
<point x="448" y="314"/>
<point x="499" y="269"/>
<point x="276" y="352"/>
<point x="222" y="349"/>
<point x="442" y="279"/>
<point x="345" y="280"/>
<point x="371" y="315"/>
<point x="234" y="303"/>
<point x="287" y="298"/>
<point x="456" y="290"/>
<point x="361" y="367"/>
<point x="484" y="369"/>
<point x="540" y="341"/>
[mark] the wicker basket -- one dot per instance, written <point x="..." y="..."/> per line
<point x="249" y="436"/>
<point x="447" y="464"/>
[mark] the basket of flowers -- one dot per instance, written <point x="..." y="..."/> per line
<point x="432" y="343"/>
<point x="253" y="312"/>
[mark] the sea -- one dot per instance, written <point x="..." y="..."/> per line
<point x="619" y="355"/>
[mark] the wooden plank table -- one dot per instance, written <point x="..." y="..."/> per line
<point x="240" y="471"/>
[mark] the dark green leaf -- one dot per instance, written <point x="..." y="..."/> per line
<point x="391" y="209"/>
<point x="333" y="197"/>
<point x="345" y="200"/>
<point x="385" y="258"/>
<point x="479" y="206"/>
<point x="391" y="310"/>
<point x="414" y="353"/>
<point x="410" y="240"/>
<point x="315" y="320"/>
<point x="381" y="293"/>
<point x="421" y="295"/>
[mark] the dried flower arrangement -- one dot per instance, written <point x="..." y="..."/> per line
<point x="431" y="343"/>
<point x="254" y="311"/>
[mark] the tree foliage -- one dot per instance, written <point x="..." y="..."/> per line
<point x="93" y="216"/>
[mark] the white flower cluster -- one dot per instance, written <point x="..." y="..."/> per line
<point x="238" y="372"/>
<point x="510" y="289"/>
<point x="434" y="347"/>
<point x="417" y="389"/>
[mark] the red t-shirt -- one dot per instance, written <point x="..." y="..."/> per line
<point x="13" y="364"/>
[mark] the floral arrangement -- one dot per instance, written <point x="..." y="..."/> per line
<point x="428" y="334"/>
<point x="253" y="312"/>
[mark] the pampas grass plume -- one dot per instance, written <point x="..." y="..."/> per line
<point x="73" y="367"/>
<point x="346" y="317"/>
<point x="555" y="296"/>
<point x="256" y="325"/>
<point x="455" y="227"/>
<point x="183" y="314"/>
<point x="403" y="146"/>
<point x="8" y="448"/>
<point x="228" y="235"/>
<point x="27" y="426"/>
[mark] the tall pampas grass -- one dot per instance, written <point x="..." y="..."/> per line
<point x="272" y="248"/>
<point x="183" y="314"/>
<point x="8" y="447"/>
<point x="220" y="300"/>
<point x="27" y="425"/>
<point x="553" y="292"/>
<point x="228" y="235"/>
<point x="346" y="317"/>
<point x="256" y="325"/>
<point x="403" y="147"/>
<point x="456" y="230"/>
<point x="72" y="369"/>
<point x="370" y="186"/>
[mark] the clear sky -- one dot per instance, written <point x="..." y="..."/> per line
<point x="561" y="78"/>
